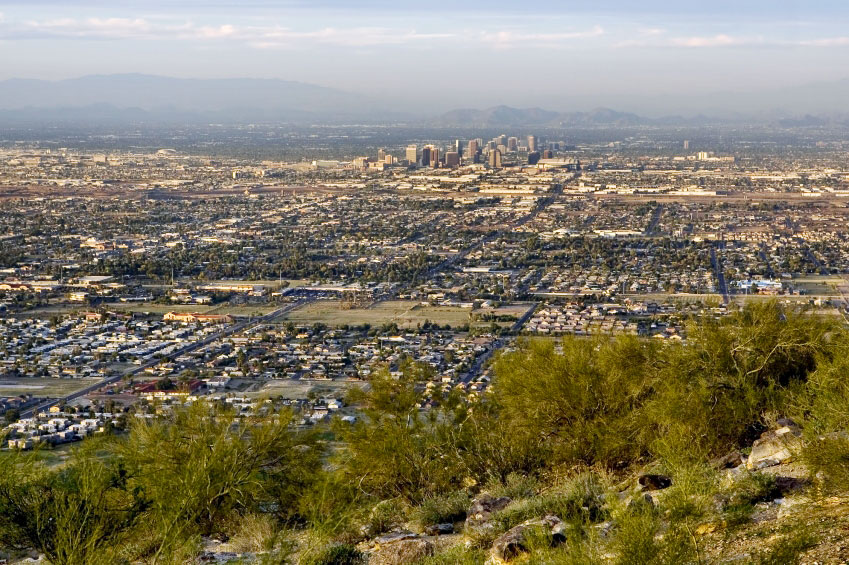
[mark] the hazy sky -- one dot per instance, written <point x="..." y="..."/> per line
<point x="458" y="53"/>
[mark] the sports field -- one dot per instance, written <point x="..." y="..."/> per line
<point x="405" y="313"/>
<point x="43" y="387"/>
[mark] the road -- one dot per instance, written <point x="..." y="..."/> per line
<point x="655" y="219"/>
<point x="188" y="348"/>
<point x="720" y="276"/>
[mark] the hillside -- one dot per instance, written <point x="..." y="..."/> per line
<point x="732" y="447"/>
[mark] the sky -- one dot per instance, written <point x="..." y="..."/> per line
<point x="560" y="55"/>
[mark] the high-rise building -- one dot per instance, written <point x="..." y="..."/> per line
<point x="381" y="155"/>
<point x="473" y="150"/>
<point x="512" y="143"/>
<point x="426" y="156"/>
<point x="434" y="157"/>
<point x="532" y="143"/>
<point x="495" y="159"/>
<point x="501" y="140"/>
<point x="458" y="147"/>
<point x="686" y="144"/>
<point x="412" y="154"/>
<point x="452" y="159"/>
<point x="533" y="157"/>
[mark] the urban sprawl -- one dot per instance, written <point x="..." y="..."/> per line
<point x="132" y="281"/>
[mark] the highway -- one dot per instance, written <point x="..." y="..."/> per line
<point x="188" y="348"/>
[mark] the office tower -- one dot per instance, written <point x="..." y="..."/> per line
<point x="532" y="143"/>
<point x="381" y="155"/>
<point x="513" y="144"/>
<point x="501" y="140"/>
<point x="547" y="154"/>
<point x="434" y="157"/>
<point x="495" y="159"/>
<point x="533" y="157"/>
<point x="473" y="148"/>
<point x="412" y="154"/>
<point x="452" y="159"/>
<point x="426" y="156"/>
<point x="458" y="147"/>
<point x="686" y="144"/>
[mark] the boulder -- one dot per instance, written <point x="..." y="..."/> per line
<point x="654" y="482"/>
<point x="482" y="508"/>
<point x="729" y="461"/>
<point x="513" y="543"/>
<point x="401" y="552"/>
<point x="439" y="529"/>
<point x="775" y="447"/>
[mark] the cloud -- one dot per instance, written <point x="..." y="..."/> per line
<point x="720" y="40"/>
<point x="263" y="37"/>
<point x="350" y="37"/>
<point x="512" y="38"/>
<point x="97" y="28"/>
<point x="825" y="42"/>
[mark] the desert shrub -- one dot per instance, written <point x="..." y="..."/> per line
<point x="396" y="451"/>
<point x="581" y="401"/>
<point x="440" y="509"/>
<point x="787" y="549"/>
<point x="201" y="466"/>
<point x="337" y="554"/>
<point x="383" y="516"/>
<point x="827" y="457"/>
<point x="251" y="533"/>
<point x="640" y="538"/>
<point x="580" y="500"/>
<point x="515" y="485"/>
<point x="456" y="555"/>
<point x="81" y="513"/>
<point x="713" y="392"/>
<point x="746" y="491"/>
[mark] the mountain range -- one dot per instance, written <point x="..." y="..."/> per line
<point x="137" y="98"/>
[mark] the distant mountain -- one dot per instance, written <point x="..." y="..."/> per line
<point x="503" y="116"/>
<point x="137" y="96"/>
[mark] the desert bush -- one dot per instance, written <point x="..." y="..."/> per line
<point x="746" y="491"/>
<point x="440" y="509"/>
<point x="81" y="513"/>
<point x="582" y="401"/>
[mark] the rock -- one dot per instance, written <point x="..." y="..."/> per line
<point x="393" y="537"/>
<point x="775" y="447"/>
<point x="789" y="505"/>
<point x="730" y="461"/>
<point x="642" y="500"/>
<point x="512" y="543"/>
<point x="439" y="529"/>
<point x="654" y="482"/>
<point x="482" y="508"/>
<point x="401" y="552"/>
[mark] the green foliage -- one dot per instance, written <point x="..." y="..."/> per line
<point x="745" y="492"/>
<point x="397" y="451"/>
<point x="620" y="401"/>
<point x="457" y="555"/>
<point x="788" y="549"/>
<point x="440" y="509"/>
<point x="581" y="401"/>
<point x="78" y="514"/>
<point x="712" y="393"/>
<point x="640" y="538"/>
<point x="337" y="554"/>
<point x="385" y="515"/>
